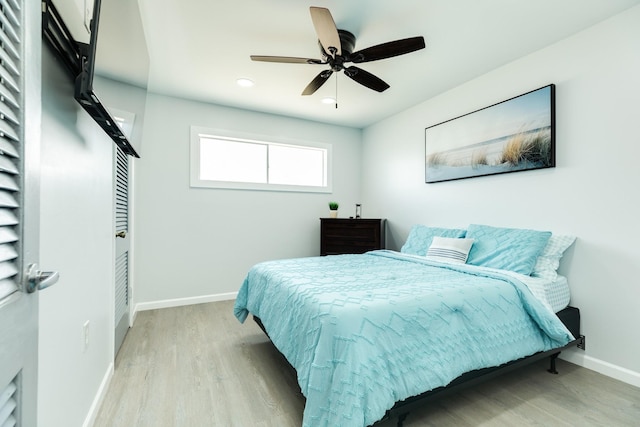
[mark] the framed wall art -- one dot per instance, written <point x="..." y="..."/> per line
<point x="511" y="136"/>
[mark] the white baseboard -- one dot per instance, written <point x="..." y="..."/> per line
<point x="100" y="395"/>
<point x="578" y="357"/>
<point x="184" y="301"/>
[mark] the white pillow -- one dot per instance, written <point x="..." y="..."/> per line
<point x="447" y="249"/>
<point x="549" y="260"/>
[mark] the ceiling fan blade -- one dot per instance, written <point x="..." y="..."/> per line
<point x="388" y="50"/>
<point x="326" y="30"/>
<point x="286" y="59"/>
<point x="365" y="78"/>
<point x="317" y="82"/>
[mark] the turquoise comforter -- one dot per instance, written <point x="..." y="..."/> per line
<point x="366" y="331"/>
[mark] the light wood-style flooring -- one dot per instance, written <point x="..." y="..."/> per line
<point x="198" y="366"/>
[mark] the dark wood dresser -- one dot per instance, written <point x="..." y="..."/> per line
<point x="351" y="236"/>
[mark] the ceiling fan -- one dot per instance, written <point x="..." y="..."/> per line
<point x="336" y="47"/>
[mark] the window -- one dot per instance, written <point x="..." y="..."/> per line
<point x="221" y="160"/>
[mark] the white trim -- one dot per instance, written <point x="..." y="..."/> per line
<point x="99" y="398"/>
<point x="167" y="303"/>
<point x="625" y="375"/>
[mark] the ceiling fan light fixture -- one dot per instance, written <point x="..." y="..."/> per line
<point x="328" y="100"/>
<point x="244" y="82"/>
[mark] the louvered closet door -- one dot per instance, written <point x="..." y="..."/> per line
<point x="19" y="143"/>
<point x="122" y="295"/>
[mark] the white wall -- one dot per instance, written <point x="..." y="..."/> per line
<point x="592" y="193"/>
<point x="76" y="239"/>
<point x="198" y="244"/>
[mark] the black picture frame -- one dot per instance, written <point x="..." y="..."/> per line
<point x="514" y="135"/>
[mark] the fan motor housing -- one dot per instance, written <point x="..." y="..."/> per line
<point x="347" y="44"/>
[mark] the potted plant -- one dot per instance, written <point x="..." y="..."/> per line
<point x="333" y="209"/>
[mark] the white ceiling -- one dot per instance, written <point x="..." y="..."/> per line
<point x="198" y="48"/>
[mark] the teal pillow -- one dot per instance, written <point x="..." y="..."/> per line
<point x="421" y="236"/>
<point x="512" y="249"/>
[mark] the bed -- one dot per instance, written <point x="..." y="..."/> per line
<point x="371" y="334"/>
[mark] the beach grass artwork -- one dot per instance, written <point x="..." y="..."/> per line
<point x="514" y="135"/>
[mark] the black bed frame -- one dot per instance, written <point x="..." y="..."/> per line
<point x="570" y="316"/>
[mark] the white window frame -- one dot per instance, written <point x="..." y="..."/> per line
<point x="198" y="132"/>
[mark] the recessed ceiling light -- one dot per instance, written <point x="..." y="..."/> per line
<point x="245" y="82"/>
<point x="328" y="100"/>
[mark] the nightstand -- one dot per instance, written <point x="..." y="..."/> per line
<point x="351" y="236"/>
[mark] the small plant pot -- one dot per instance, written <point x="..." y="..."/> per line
<point x="333" y="214"/>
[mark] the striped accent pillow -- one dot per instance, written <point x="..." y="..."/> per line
<point x="446" y="249"/>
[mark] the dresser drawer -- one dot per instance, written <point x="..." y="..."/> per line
<point x="351" y="236"/>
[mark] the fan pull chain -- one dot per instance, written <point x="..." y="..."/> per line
<point x="336" y="91"/>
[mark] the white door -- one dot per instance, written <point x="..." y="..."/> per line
<point x="122" y="198"/>
<point x="122" y="290"/>
<point x="20" y="69"/>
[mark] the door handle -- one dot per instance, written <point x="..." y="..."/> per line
<point x="38" y="280"/>
<point x="122" y="234"/>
